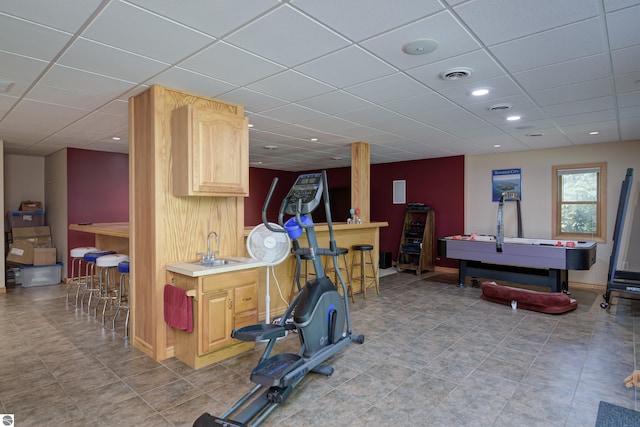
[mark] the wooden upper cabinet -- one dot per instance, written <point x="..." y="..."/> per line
<point x="210" y="153"/>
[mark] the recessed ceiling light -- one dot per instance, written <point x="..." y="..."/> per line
<point x="420" y="47"/>
<point x="5" y="85"/>
<point x="535" y="134"/>
<point x="337" y="158"/>
<point x="270" y="147"/>
<point x="313" y="139"/>
<point x="497" y="145"/>
<point x="115" y="138"/>
<point x="513" y="118"/>
<point x="256" y="163"/>
<point x="594" y="133"/>
<point x="250" y="125"/>
<point x="480" y="91"/>
<point x="456" y="73"/>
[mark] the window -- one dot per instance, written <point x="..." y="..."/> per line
<point x="579" y="202"/>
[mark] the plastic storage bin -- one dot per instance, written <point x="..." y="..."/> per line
<point x="41" y="275"/>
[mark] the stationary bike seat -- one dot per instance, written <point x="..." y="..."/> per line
<point x="309" y="297"/>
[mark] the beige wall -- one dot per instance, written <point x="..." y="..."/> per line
<point x="55" y="173"/>
<point x="481" y="212"/>
<point x="23" y="180"/>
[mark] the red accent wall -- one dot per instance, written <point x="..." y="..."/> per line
<point x="97" y="190"/>
<point x="438" y="183"/>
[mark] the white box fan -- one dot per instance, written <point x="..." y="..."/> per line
<point x="271" y="247"/>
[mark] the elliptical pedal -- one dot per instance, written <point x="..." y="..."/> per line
<point x="270" y="372"/>
<point x="208" y="420"/>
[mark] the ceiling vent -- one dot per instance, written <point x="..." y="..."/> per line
<point x="456" y="73"/>
<point x="500" y="107"/>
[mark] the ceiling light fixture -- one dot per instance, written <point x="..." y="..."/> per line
<point x="595" y="132"/>
<point x="337" y="158"/>
<point x="497" y="145"/>
<point x="480" y="91"/>
<point x="313" y="139"/>
<point x="420" y="47"/>
<point x="513" y="118"/>
<point x="270" y="147"/>
<point x="250" y="125"/>
<point x="535" y="134"/>
<point x="5" y="85"/>
<point x="115" y="138"/>
<point x="456" y="73"/>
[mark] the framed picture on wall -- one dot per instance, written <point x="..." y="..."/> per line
<point x="506" y="180"/>
<point x="399" y="192"/>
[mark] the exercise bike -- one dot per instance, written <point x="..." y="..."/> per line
<point x="319" y="312"/>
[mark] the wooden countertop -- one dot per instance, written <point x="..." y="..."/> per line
<point x="116" y="229"/>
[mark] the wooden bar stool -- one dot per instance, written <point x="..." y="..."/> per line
<point x="345" y="271"/>
<point x="122" y="303"/>
<point x="77" y="260"/>
<point x="364" y="262"/>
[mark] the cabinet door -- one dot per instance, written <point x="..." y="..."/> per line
<point x="210" y="153"/>
<point x="217" y="317"/>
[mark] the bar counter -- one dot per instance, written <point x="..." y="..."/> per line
<point x="346" y="235"/>
<point x="112" y="236"/>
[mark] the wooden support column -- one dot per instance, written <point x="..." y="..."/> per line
<point x="360" y="177"/>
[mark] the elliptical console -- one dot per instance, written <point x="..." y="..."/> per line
<point x="320" y="313"/>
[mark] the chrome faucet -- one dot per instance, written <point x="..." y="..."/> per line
<point x="211" y="256"/>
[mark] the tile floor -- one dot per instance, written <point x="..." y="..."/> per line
<point x="435" y="355"/>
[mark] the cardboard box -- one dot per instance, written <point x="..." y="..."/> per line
<point x="16" y="219"/>
<point x="37" y="236"/>
<point x="44" y="256"/>
<point x="30" y="205"/>
<point x="21" y="252"/>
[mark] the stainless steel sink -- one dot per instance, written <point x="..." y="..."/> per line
<point x="215" y="262"/>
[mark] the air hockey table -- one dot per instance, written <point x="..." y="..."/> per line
<point x="538" y="262"/>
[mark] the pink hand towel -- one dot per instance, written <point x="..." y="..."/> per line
<point x="178" y="308"/>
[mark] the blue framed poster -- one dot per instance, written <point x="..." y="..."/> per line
<point x="503" y="180"/>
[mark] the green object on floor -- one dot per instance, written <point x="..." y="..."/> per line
<point x="610" y="415"/>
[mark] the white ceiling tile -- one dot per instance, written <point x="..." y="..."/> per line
<point x="623" y="27"/>
<point x="442" y="27"/>
<point x="388" y="88"/>
<point x="630" y="129"/>
<point x="578" y="40"/>
<point x="212" y="17"/>
<point x="20" y="67"/>
<point x="231" y="64"/>
<point x="626" y="60"/>
<point x="498" y="21"/>
<point x="102" y="59"/>
<point x="611" y="5"/>
<point x="66" y="15"/>
<point x="576" y="92"/>
<point x="70" y="98"/>
<point x="371" y="116"/>
<point x="188" y="81"/>
<point x="346" y="67"/>
<point x="290" y="113"/>
<point x="373" y="17"/>
<point x="24" y="38"/>
<point x="420" y="104"/>
<point x="287" y="37"/>
<point x="589" y="117"/>
<point x="578" y="107"/>
<point x="335" y="102"/>
<point x="73" y="79"/>
<point x="627" y="82"/>
<point x="565" y="73"/>
<point x="116" y="107"/>
<point x="517" y="102"/>
<point x="251" y="100"/>
<point x="291" y="86"/>
<point x="130" y="28"/>
<point x="629" y="100"/>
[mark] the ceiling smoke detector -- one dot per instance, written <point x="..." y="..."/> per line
<point x="456" y="73"/>
<point x="500" y="107"/>
<point x="420" y="47"/>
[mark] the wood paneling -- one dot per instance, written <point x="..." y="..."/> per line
<point x="360" y="186"/>
<point x="165" y="228"/>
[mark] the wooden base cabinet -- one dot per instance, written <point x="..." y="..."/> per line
<point x="224" y="302"/>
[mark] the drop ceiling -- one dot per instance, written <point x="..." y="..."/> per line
<point x="314" y="76"/>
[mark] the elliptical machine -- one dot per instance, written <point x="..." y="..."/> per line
<point x="320" y="314"/>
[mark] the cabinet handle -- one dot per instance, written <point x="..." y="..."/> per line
<point x="247" y="298"/>
<point x="230" y="303"/>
